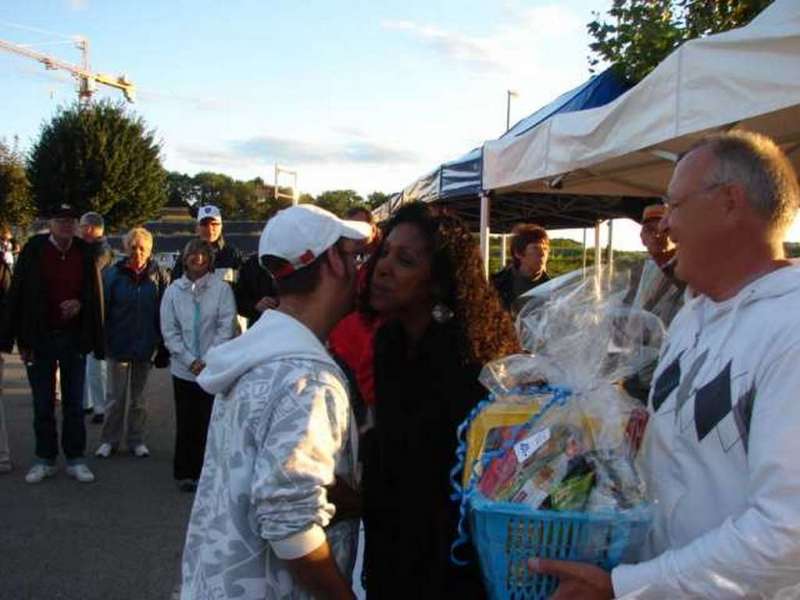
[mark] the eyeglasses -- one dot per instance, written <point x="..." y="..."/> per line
<point x="673" y="203"/>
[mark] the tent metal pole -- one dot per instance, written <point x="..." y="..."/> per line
<point x="583" y="267"/>
<point x="485" y="233"/>
<point x="610" y="249"/>
<point x="503" y="253"/>
<point x="598" y="254"/>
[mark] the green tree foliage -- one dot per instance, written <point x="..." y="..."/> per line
<point x="251" y="200"/>
<point x="98" y="157"/>
<point x="339" y="201"/>
<point x="375" y="199"/>
<point x="636" y="35"/>
<point x="16" y="202"/>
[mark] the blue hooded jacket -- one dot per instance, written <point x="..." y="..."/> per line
<point x="133" y="328"/>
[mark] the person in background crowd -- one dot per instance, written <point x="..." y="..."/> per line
<point x="442" y="322"/>
<point x="282" y="431"/>
<point x="351" y="341"/>
<point x="55" y="314"/>
<point x="7" y="248"/>
<point x="227" y="258"/>
<point x="133" y="289"/>
<point x="254" y="290"/>
<point x="720" y="451"/>
<point x="658" y="290"/>
<point x="530" y="249"/>
<point x="92" y="227"/>
<point x="654" y="289"/>
<point x="197" y="313"/>
<point x="5" y="452"/>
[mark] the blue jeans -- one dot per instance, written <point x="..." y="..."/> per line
<point x="58" y="349"/>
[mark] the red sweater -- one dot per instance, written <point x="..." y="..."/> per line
<point x="62" y="273"/>
<point x="352" y="341"/>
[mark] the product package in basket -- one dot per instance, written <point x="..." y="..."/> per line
<point x="556" y="476"/>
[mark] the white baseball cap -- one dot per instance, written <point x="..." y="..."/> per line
<point x="300" y="234"/>
<point x="209" y="211"/>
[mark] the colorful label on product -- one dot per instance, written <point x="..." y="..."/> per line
<point x="528" y="447"/>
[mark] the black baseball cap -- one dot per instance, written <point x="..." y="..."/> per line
<point x="63" y="211"/>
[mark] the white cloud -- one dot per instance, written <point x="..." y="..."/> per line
<point x="269" y="149"/>
<point x="78" y="4"/>
<point x="534" y="50"/>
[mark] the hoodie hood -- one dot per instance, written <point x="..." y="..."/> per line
<point x="706" y="312"/>
<point x="275" y="335"/>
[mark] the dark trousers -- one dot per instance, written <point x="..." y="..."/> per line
<point x="192" y="415"/>
<point x="58" y="349"/>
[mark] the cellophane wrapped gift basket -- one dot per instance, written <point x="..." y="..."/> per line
<point x="547" y="463"/>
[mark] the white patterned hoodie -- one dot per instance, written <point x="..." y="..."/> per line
<point x="280" y="431"/>
<point x="721" y="450"/>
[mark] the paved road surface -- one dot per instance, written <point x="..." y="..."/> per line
<point x="119" y="538"/>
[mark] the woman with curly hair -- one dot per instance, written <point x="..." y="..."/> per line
<point x="441" y="322"/>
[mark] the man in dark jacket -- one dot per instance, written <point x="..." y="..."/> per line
<point x="254" y="290"/>
<point x="530" y="248"/>
<point x="92" y="227"/>
<point x="5" y="453"/>
<point x="227" y="259"/>
<point x="55" y="314"/>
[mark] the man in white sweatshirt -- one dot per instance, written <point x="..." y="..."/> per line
<point x="721" y="450"/>
<point x="281" y="433"/>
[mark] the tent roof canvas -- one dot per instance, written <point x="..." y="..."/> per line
<point x="747" y="78"/>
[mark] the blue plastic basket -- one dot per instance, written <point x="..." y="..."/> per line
<point x="507" y="535"/>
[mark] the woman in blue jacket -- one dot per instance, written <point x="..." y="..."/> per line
<point x="133" y="289"/>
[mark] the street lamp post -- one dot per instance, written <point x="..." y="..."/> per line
<point x="509" y="94"/>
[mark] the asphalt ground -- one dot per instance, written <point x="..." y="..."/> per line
<point x="119" y="538"/>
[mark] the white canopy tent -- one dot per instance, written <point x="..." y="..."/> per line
<point x="747" y="78"/>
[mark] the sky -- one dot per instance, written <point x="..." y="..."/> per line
<point x="349" y="94"/>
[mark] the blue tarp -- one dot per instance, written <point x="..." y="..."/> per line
<point x="462" y="177"/>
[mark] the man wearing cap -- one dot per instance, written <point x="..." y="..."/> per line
<point x="282" y="433"/>
<point x="55" y="314"/>
<point x="658" y="290"/>
<point x="654" y="288"/>
<point x="720" y="450"/>
<point x="92" y="227"/>
<point x="227" y="259"/>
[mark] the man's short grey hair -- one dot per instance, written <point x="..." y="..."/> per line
<point x="94" y="219"/>
<point x="757" y="163"/>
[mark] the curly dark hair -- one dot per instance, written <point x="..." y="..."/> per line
<point x="485" y="330"/>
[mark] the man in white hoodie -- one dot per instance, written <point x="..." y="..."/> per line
<point x="281" y="432"/>
<point x="721" y="450"/>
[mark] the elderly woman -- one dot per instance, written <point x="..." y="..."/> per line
<point x="198" y="313"/>
<point x="133" y="289"/>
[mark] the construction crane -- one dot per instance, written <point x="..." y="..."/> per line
<point x="87" y="81"/>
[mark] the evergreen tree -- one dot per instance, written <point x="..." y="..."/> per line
<point x="16" y="203"/>
<point x="98" y="157"/>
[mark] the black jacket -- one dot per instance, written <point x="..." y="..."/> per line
<point x="226" y="257"/>
<point x="253" y="284"/>
<point x="410" y="520"/>
<point x="25" y="317"/>
<point x="503" y="281"/>
<point x="103" y="254"/>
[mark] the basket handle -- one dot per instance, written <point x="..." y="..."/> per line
<point x="559" y="395"/>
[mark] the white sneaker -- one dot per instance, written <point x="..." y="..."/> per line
<point x="39" y="472"/>
<point x="104" y="451"/>
<point x="141" y="451"/>
<point x="80" y="472"/>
